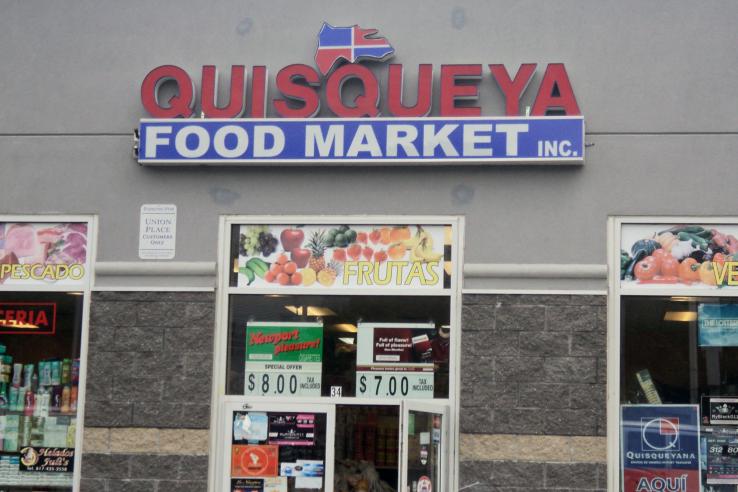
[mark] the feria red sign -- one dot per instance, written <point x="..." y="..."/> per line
<point x="300" y="85"/>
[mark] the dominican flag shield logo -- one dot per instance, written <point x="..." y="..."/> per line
<point x="351" y="44"/>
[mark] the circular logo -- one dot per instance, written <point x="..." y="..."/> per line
<point x="666" y="430"/>
<point x="254" y="460"/>
<point x="29" y="456"/>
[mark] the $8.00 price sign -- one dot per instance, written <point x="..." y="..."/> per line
<point x="381" y="384"/>
<point x="282" y="383"/>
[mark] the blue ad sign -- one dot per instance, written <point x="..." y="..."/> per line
<point x="660" y="447"/>
<point x="718" y="325"/>
<point x="361" y="140"/>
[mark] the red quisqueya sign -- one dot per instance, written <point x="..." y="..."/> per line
<point x="27" y="318"/>
<point x="299" y="87"/>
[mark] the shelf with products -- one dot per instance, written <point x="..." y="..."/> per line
<point x="38" y="404"/>
<point x="39" y="390"/>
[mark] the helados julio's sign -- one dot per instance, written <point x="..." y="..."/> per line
<point x="238" y="132"/>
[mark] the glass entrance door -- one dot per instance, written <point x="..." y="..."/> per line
<point x="425" y="438"/>
<point x="278" y="447"/>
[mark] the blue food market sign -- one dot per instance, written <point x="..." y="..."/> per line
<point x="460" y="141"/>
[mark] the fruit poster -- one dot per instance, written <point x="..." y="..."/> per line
<point x="43" y="254"/>
<point x="343" y="256"/>
<point x="283" y="358"/>
<point x="700" y="257"/>
<point x="396" y="360"/>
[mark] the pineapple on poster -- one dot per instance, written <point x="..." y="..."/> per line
<point x="343" y="256"/>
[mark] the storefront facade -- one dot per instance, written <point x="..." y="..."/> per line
<point x="242" y="300"/>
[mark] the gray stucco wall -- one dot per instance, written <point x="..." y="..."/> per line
<point x="655" y="84"/>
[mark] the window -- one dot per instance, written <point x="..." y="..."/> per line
<point x="44" y="289"/>
<point x="338" y="341"/>
<point x="674" y="342"/>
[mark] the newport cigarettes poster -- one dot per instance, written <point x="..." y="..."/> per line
<point x="660" y="448"/>
<point x="283" y="358"/>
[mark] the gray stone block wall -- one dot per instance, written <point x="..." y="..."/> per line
<point x="150" y="360"/>
<point x="518" y="476"/>
<point x="144" y="473"/>
<point x="533" y="365"/>
<point x="149" y="368"/>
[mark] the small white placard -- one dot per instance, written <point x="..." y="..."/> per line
<point x="158" y="232"/>
<point x="424" y="438"/>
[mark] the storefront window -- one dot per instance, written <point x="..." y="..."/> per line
<point x="347" y="332"/>
<point x="332" y="333"/>
<point x="678" y="326"/>
<point x="43" y="289"/>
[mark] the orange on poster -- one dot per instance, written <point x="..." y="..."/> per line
<point x="254" y="461"/>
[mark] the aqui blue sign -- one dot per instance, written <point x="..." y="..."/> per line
<point x="660" y="448"/>
<point x="386" y="141"/>
<point x="718" y="325"/>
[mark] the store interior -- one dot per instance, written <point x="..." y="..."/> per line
<point x="40" y="340"/>
<point x="667" y="357"/>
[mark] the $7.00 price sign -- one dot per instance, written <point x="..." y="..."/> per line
<point x="386" y="384"/>
<point x="282" y="383"/>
